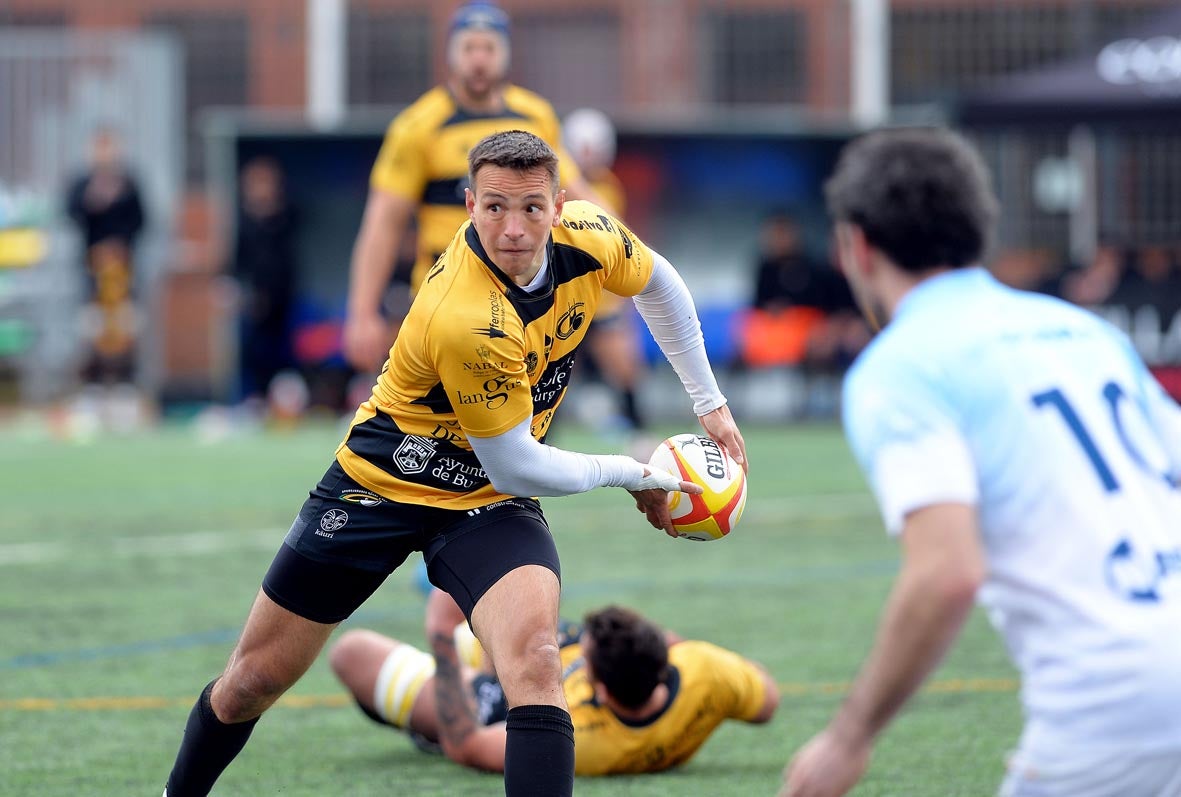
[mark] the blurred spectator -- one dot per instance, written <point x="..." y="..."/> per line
<point x="613" y="345"/>
<point x="264" y="266"/>
<point x="802" y="312"/>
<point x="802" y="317"/>
<point x="1147" y="305"/>
<point x="1095" y="283"/>
<point x="104" y="204"/>
<point x="786" y="276"/>
<point x="1152" y="279"/>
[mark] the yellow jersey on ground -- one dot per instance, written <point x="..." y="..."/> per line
<point x="708" y="684"/>
<point x="423" y="158"/>
<point x="478" y="355"/>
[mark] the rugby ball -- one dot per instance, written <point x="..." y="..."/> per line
<point x="698" y="459"/>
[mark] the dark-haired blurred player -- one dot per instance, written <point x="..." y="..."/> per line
<point x="422" y="169"/>
<point x="641" y="699"/>
<point x="1025" y="458"/>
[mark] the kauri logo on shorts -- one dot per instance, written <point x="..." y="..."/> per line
<point x="333" y="520"/>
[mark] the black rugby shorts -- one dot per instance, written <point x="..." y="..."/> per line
<point x="347" y="539"/>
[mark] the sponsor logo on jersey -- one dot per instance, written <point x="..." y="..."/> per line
<point x="602" y="225"/>
<point x="1144" y="576"/>
<point x="495" y="393"/>
<point x="362" y="497"/>
<point x="414" y="454"/>
<point x="441" y="432"/>
<point x="332" y="521"/>
<point x="455" y="472"/>
<point x="495" y="328"/>
<point x="539" y="427"/>
<point x="490" y="332"/>
<point x="484" y="366"/>
<point x="627" y="243"/>
<point x="552" y="384"/>
<point x="571" y="321"/>
<point x="531" y="362"/>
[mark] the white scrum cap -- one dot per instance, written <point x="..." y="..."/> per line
<point x="589" y="136"/>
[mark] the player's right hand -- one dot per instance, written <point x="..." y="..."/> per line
<point x="367" y="341"/>
<point x="719" y="425"/>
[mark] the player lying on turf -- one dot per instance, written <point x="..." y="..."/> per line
<point x="642" y="699"/>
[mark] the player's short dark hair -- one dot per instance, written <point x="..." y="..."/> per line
<point x="513" y="149"/>
<point x="629" y="654"/>
<point x="922" y="196"/>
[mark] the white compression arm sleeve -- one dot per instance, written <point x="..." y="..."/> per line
<point x="519" y="465"/>
<point x="667" y="308"/>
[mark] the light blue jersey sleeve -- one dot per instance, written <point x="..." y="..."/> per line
<point x="906" y="436"/>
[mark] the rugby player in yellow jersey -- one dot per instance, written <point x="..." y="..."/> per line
<point x="422" y="167"/>
<point x="444" y="455"/>
<point x="641" y="699"/>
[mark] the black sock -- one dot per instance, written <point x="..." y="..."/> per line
<point x="630" y="408"/>
<point x="208" y="747"/>
<point x="539" y="752"/>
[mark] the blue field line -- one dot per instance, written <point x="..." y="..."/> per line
<point x="836" y="571"/>
<point x="211" y="637"/>
<point x="115" y="651"/>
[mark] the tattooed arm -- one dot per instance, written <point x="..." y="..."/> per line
<point x="464" y="740"/>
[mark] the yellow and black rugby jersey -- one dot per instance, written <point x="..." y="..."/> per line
<point x="477" y="355"/>
<point x="424" y="159"/>
<point x="708" y="684"/>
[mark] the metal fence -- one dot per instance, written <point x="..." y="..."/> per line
<point x="57" y="87"/>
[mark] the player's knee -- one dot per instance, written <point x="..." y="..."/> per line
<point x="246" y="693"/>
<point x="537" y="664"/>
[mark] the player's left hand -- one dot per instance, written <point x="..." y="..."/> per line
<point x="653" y="501"/>
<point x="442" y="613"/>
<point x="827" y="766"/>
<point x="719" y="425"/>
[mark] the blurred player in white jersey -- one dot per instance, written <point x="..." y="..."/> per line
<point x="1025" y="458"/>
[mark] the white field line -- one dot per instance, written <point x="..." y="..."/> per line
<point x="160" y="546"/>
<point x="821" y="507"/>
